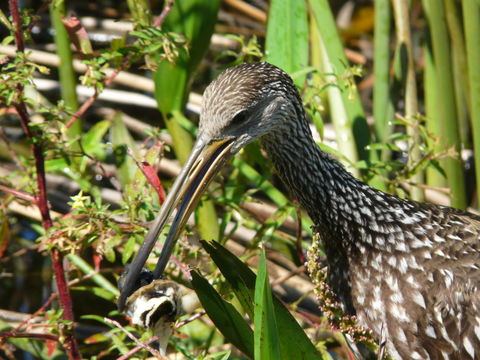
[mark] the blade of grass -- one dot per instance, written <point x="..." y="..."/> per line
<point x="434" y="177"/>
<point x="317" y="80"/>
<point x="382" y="103"/>
<point x="98" y="279"/>
<point x="471" y="14"/>
<point x="67" y="75"/>
<point x="286" y="43"/>
<point x="334" y="49"/>
<point x="460" y="70"/>
<point x="343" y="127"/>
<point x="404" y="47"/>
<point x="266" y="336"/>
<point x="435" y="12"/>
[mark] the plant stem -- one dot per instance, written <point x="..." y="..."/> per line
<point x="434" y="177"/>
<point x="357" y="121"/>
<point x="471" y="14"/>
<point x="381" y="69"/>
<point x="404" y="46"/>
<point x="70" y="343"/>
<point x="446" y="100"/>
<point x="66" y="72"/>
<point x="460" y="69"/>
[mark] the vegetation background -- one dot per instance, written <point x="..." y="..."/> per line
<point x="99" y="105"/>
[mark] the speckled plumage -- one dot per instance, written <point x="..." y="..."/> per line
<point x="411" y="269"/>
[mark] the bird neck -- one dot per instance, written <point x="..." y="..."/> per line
<point x="349" y="215"/>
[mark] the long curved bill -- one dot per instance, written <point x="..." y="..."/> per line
<point x="206" y="159"/>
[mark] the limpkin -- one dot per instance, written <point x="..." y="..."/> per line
<point x="410" y="271"/>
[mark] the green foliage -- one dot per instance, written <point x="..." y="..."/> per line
<point x="267" y="339"/>
<point x="293" y="341"/>
<point x="224" y="315"/>
<point x="286" y="43"/>
<point x="18" y="72"/>
<point x="250" y="50"/>
<point x="99" y="234"/>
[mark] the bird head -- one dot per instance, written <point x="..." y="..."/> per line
<point x="244" y="103"/>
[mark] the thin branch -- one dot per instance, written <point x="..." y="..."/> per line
<point x="136" y="349"/>
<point x="135" y="340"/>
<point x="190" y="319"/>
<point x="43" y="308"/>
<point x="70" y="343"/>
<point x="86" y="105"/>
<point x="28" y="335"/>
<point x="166" y="10"/>
<point x="19" y="194"/>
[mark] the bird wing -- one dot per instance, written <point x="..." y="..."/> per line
<point x="453" y="322"/>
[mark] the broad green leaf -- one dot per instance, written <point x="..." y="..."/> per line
<point x="266" y="337"/>
<point x="195" y="19"/>
<point x="228" y="321"/>
<point x="294" y="344"/>
<point x="128" y="250"/>
<point x="287" y="36"/>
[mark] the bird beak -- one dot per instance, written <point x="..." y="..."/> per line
<point x="206" y="159"/>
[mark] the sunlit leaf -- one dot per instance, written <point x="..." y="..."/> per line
<point x="295" y="344"/>
<point x="287" y="37"/>
<point x="266" y="336"/>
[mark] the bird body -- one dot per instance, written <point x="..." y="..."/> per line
<point x="410" y="271"/>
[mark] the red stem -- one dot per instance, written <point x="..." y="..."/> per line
<point x="19" y="194"/>
<point x="70" y="343"/>
<point x="161" y="18"/>
<point x="7" y="334"/>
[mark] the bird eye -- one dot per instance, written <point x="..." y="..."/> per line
<point x="240" y="117"/>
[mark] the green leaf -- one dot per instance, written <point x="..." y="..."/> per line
<point x="266" y="337"/>
<point x="92" y="140"/>
<point x="122" y="141"/>
<point x="228" y="321"/>
<point x="128" y="250"/>
<point x="96" y="338"/>
<point x="294" y="344"/>
<point x="196" y="20"/>
<point x="96" y="278"/>
<point x="287" y="36"/>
